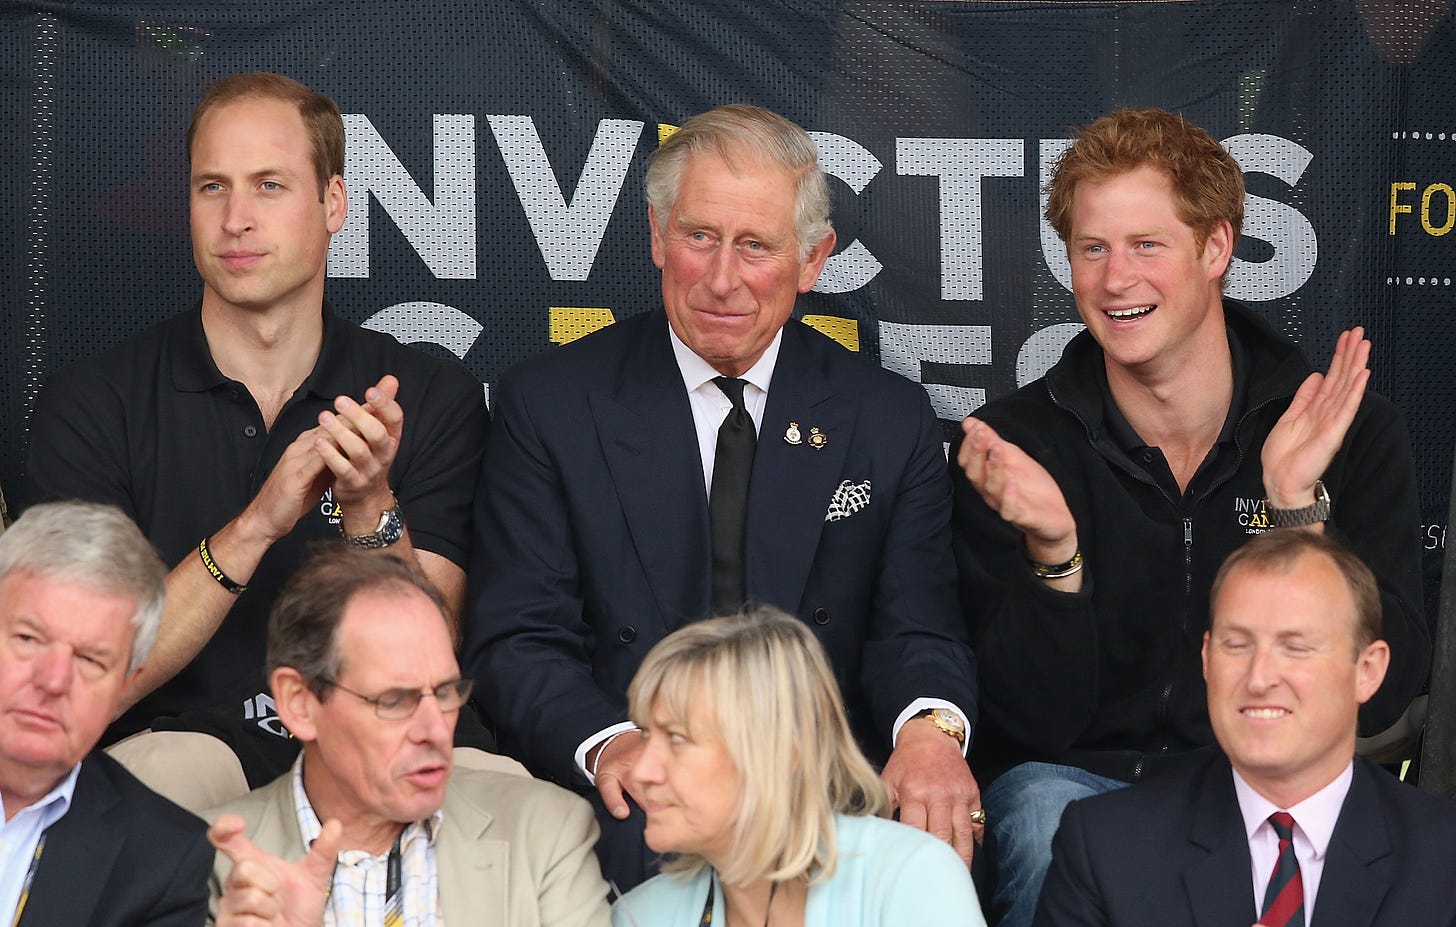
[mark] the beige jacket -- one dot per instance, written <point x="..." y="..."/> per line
<point x="512" y="850"/>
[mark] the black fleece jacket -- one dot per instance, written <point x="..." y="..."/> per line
<point x="1108" y="679"/>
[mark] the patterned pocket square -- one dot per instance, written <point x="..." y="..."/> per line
<point x="848" y="499"/>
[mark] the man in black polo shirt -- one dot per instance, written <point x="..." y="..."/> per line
<point x="240" y="431"/>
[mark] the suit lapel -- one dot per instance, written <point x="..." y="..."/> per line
<point x="84" y="841"/>
<point x="472" y="869"/>
<point x="793" y="484"/>
<point x="1220" y="891"/>
<point x="278" y="826"/>
<point x="646" y="433"/>
<point x="1359" y="865"/>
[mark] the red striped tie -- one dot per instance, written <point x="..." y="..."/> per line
<point x="1284" y="898"/>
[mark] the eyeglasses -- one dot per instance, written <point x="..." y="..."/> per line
<point x="398" y="704"/>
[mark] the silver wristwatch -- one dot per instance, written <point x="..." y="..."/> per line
<point x="386" y="534"/>
<point x="1304" y="515"/>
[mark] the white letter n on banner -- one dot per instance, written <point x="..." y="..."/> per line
<point x="442" y="232"/>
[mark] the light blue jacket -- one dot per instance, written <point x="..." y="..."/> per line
<point x="889" y="874"/>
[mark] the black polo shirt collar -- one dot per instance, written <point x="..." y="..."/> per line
<point x="1151" y="458"/>
<point x="195" y="371"/>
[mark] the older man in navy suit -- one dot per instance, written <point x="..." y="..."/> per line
<point x="1288" y="825"/>
<point x="686" y="462"/>
<point x="83" y="842"/>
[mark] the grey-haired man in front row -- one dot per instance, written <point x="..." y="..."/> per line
<point x="83" y="842"/>
<point x="372" y="823"/>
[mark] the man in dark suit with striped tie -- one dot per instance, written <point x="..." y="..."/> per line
<point x="1286" y="825"/>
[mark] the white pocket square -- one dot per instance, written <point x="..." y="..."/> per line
<point x="848" y="499"/>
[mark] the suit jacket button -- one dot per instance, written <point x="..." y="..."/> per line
<point x="821" y="616"/>
<point x="627" y="635"/>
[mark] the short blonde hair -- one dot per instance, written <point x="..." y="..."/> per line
<point x="763" y="681"/>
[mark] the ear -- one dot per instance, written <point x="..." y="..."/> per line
<point x="1218" y="250"/>
<point x="1370" y="667"/>
<point x="814" y="264"/>
<point x="1203" y="653"/>
<point x="336" y="203"/>
<point x="124" y="697"/>
<point x="659" y="242"/>
<point x="295" y="702"/>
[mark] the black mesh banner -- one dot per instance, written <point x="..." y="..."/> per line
<point x="496" y="155"/>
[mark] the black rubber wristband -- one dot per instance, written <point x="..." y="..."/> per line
<point x="222" y="578"/>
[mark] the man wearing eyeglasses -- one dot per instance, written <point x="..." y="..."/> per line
<point x="371" y="824"/>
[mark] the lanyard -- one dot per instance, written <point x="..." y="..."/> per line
<point x="707" y="918"/>
<point x="708" y="908"/>
<point x="392" y="877"/>
<point x="393" y="901"/>
<point x="29" y="878"/>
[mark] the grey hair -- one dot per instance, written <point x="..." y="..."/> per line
<point x="98" y="548"/>
<point x="757" y="135"/>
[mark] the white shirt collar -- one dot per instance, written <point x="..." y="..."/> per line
<point x="696" y="371"/>
<point x="53" y="805"/>
<point x="1316" y="815"/>
<point x="309" y="825"/>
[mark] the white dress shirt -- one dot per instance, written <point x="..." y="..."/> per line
<point x="20" y="834"/>
<point x="357" y="893"/>
<point x="1314" y="824"/>
<point x="710" y="407"/>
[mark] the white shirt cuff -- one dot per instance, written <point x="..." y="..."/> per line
<point x="586" y="745"/>
<point x="924" y="704"/>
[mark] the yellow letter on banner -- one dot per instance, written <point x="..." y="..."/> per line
<point x="569" y="323"/>
<point x="1397" y="207"/>
<point x="845" y="331"/>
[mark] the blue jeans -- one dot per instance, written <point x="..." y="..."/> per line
<point x="1024" y="806"/>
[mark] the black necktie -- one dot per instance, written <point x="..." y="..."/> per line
<point x="728" y="500"/>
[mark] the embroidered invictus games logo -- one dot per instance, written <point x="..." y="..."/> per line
<point x="329" y="508"/>
<point x="1251" y="515"/>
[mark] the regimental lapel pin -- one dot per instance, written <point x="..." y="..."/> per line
<point x="817" y="439"/>
<point x="792" y="435"/>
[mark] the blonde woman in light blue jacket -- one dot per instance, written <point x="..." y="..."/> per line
<point x="768" y="812"/>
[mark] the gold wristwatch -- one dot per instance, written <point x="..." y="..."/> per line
<point x="950" y="723"/>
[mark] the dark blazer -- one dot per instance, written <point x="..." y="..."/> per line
<point x="1172" y="850"/>
<point x="122" y="856"/>
<point x="593" y="543"/>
